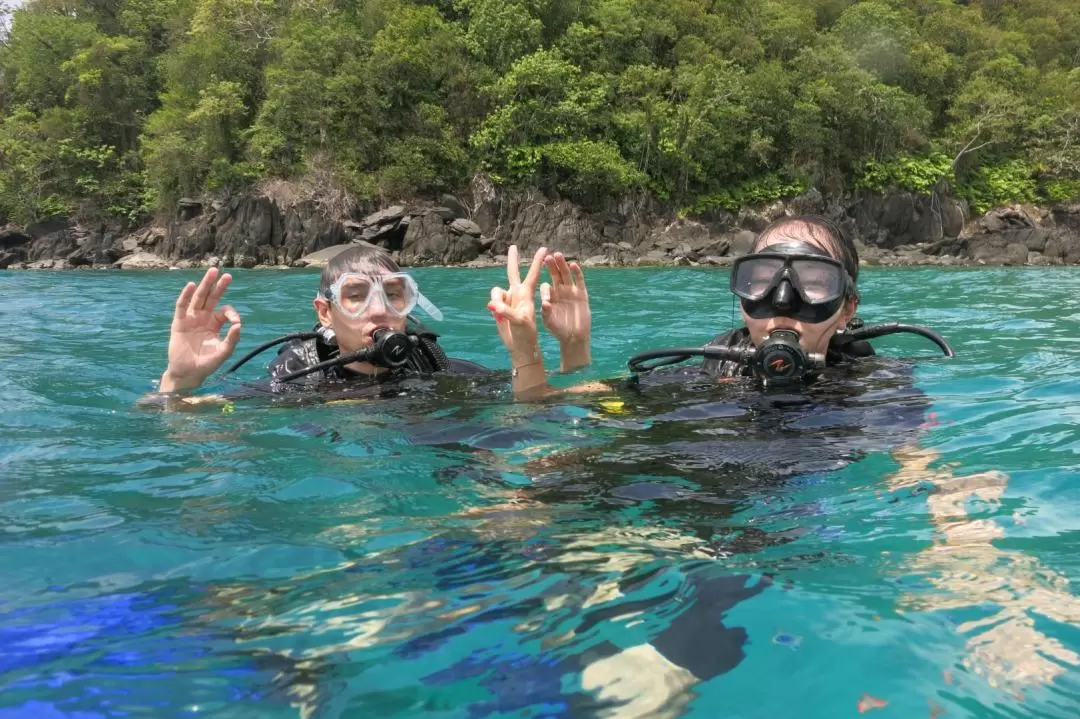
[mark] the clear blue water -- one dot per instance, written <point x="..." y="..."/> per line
<point x="693" y="551"/>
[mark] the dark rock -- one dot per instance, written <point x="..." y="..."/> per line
<point x="757" y="219"/>
<point x="897" y="218"/>
<point x="12" y="238"/>
<point x="249" y="231"/>
<point x="680" y="232"/>
<point x="1067" y="216"/>
<point x="808" y="203"/>
<point x="426" y="242"/>
<point x="12" y="257"/>
<point x="1063" y="246"/>
<point x="61" y="242"/>
<point x="890" y="229"/>
<point x="188" y="209"/>
<point x="1034" y="239"/>
<point x="952" y="219"/>
<point x="997" y="250"/>
<point x="142" y="261"/>
<point x="741" y="242"/>
<point x="655" y="257"/>
<point x="1006" y="218"/>
<point x="382" y="217"/>
<point x="44" y="228"/>
<point x="617" y="253"/>
<point x="79" y="258"/>
<point x="389" y="235"/>
<point x="454" y="205"/>
<point x="462" y="226"/>
<point x="461" y="249"/>
<point x="481" y="262"/>
<point x="307" y="231"/>
<point x="716" y="261"/>
<point x="321" y="257"/>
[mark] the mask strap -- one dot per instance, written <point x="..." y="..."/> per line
<point x="425" y="304"/>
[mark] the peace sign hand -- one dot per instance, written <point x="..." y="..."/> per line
<point x="196" y="348"/>
<point x="514" y="308"/>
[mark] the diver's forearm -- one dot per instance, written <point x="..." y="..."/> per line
<point x="574" y="355"/>
<point x="171" y="383"/>
<point x="178" y="401"/>
<point x="528" y="378"/>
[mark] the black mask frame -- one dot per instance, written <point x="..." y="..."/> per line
<point x="785" y="296"/>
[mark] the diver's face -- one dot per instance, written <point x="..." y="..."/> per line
<point x="814" y="337"/>
<point x="356" y="332"/>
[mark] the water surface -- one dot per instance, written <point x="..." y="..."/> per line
<point x="683" y="551"/>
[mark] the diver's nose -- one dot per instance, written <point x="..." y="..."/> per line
<point x="782" y="296"/>
<point x="377" y="308"/>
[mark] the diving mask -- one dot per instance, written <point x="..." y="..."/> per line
<point x="354" y="294"/>
<point x="791" y="279"/>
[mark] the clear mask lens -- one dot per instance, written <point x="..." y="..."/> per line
<point x="817" y="280"/>
<point x="396" y="294"/>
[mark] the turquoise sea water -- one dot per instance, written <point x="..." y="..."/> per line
<point x="681" y="551"/>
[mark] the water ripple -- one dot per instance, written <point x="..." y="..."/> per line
<point x="688" y="550"/>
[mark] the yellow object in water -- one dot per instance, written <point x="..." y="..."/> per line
<point x="613" y="406"/>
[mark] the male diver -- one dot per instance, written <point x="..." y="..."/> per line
<point x="365" y="331"/>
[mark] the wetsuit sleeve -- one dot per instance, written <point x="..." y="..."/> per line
<point x="460" y="366"/>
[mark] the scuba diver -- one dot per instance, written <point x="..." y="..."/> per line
<point x="772" y="402"/>
<point x="798" y="292"/>
<point x="365" y="331"/>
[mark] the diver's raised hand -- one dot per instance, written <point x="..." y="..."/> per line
<point x="564" y="306"/>
<point x="514" y="308"/>
<point x="196" y="347"/>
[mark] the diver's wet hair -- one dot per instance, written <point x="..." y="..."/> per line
<point x="838" y="243"/>
<point x="363" y="259"/>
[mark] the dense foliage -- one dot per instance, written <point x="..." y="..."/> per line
<point x="123" y="106"/>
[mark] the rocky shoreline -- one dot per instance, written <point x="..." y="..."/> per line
<point x="260" y="230"/>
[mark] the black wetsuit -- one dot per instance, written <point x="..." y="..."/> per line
<point x="686" y="449"/>
<point x="691" y="446"/>
<point x="705" y="422"/>
<point x="426" y="358"/>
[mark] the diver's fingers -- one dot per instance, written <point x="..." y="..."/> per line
<point x="218" y="291"/>
<point x="229" y="313"/>
<point x="513" y="273"/>
<point x="579" y="276"/>
<point x="203" y="290"/>
<point x="497" y="304"/>
<point x="562" y="269"/>
<point x="553" y="269"/>
<point x="498" y="295"/>
<point x="232" y="337"/>
<point x="547" y="294"/>
<point x="183" y="300"/>
<point x="534" y="269"/>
